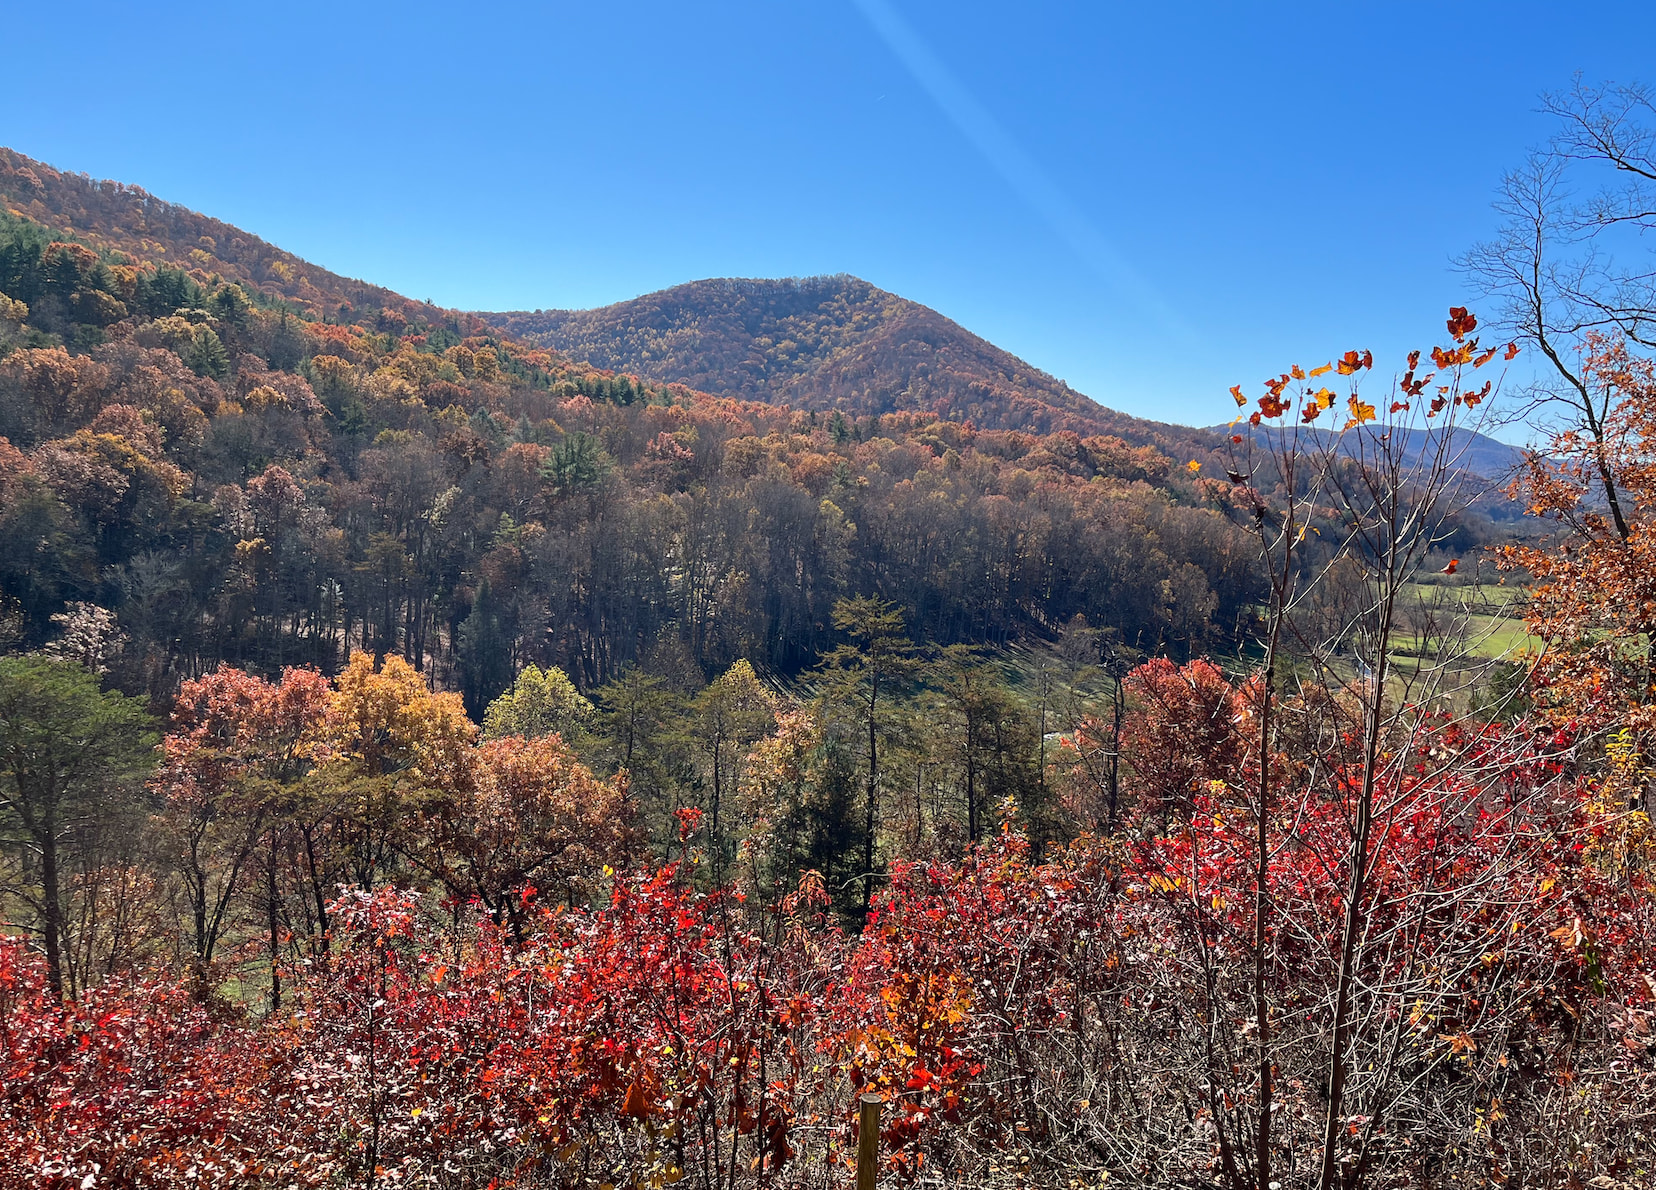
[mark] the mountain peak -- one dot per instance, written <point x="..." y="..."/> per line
<point x="825" y="342"/>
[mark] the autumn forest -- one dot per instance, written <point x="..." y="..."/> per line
<point x="599" y="749"/>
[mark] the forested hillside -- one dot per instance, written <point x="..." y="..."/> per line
<point x="119" y="219"/>
<point x="241" y="468"/>
<point x="827" y="343"/>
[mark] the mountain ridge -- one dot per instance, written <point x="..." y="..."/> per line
<point x="1469" y="451"/>
<point x="831" y="342"/>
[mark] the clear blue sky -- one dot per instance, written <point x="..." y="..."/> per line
<point x="1151" y="201"/>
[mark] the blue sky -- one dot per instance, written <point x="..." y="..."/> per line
<point x="1153" y="202"/>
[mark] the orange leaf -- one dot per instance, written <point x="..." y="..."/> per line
<point x="1461" y="323"/>
<point x="1193" y="466"/>
<point x="1511" y="350"/>
<point x="1236" y="391"/>
<point x="1322" y="371"/>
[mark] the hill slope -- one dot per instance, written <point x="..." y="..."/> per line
<point x="223" y="460"/>
<point x="115" y="217"/>
<point x="822" y="343"/>
<point x="817" y="343"/>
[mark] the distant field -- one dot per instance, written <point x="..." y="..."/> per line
<point x="1486" y="615"/>
<point x="1499" y="637"/>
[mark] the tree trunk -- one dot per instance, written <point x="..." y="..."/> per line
<point x="873" y="787"/>
<point x="275" y="931"/>
<point x="52" y="905"/>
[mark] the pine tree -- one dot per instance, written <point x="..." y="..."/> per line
<point x="864" y="677"/>
<point x="485" y="653"/>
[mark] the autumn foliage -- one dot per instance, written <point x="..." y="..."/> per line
<point x="567" y="779"/>
<point x="550" y="1014"/>
<point x="1006" y="1009"/>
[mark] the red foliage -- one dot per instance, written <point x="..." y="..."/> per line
<point x="134" y="1085"/>
<point x="1185" y="731"/>
<point x="672" y="1034"/>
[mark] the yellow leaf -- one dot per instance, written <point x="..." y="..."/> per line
<point x="1361" y="412"/>
<point x="1193" y="466"/>
<point x="1322" y="371"/>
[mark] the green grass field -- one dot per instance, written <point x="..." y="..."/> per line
<point x="1482" y="621"/>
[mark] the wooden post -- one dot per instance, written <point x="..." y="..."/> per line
<point x="868" y="1141"/>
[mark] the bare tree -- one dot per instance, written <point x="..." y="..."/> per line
<point x="1569" y="260"/>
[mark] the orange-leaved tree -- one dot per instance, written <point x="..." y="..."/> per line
<point x="533" y="825"/>
<point x="237" y="747"/>
<point x="397" y="748"/>
<point x="1592" y="596"/>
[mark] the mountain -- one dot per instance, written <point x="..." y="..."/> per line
<point x="816" y="343"/>
<point x="1470" y="451"/>
<point x="213" y="451"/>
<point x="824" y="343"/>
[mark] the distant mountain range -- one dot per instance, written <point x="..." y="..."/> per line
<point x="825" y="343"/>
<point x="1466" y="451"/>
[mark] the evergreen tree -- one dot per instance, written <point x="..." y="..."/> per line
<point x="287" y="346"/>
<point x="206" y="356"/>
<point x="642" y="729"/>
<point x="865" y="676"/>
<point x="485" y="653"/>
